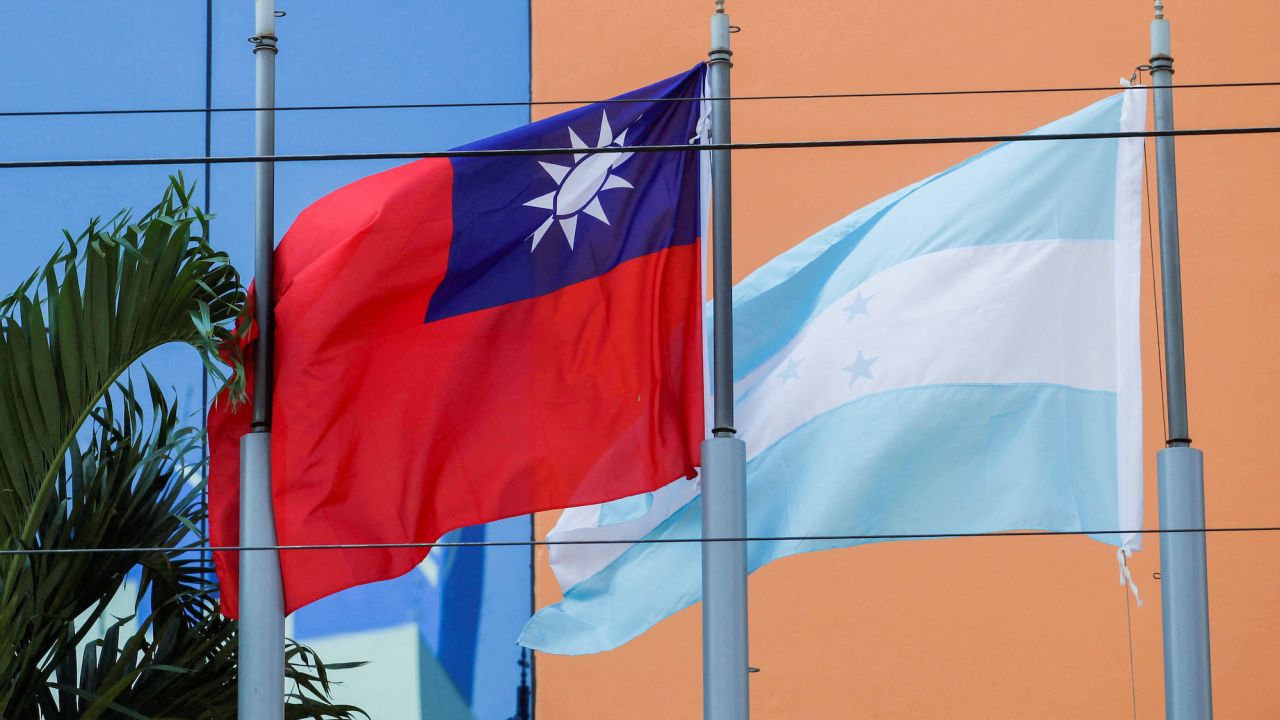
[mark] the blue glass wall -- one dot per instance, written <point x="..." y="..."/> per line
<point x="440" y="639"/>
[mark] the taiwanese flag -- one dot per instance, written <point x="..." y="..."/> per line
<point x="466" y="339"/>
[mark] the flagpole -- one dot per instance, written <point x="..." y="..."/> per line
<point x="724" y="564"/>
<point x="260" y="692"/>
<point x="1180" y="468"/>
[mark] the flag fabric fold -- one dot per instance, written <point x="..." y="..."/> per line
<point x="461" y="340"/>
<point x="960" y="356"/>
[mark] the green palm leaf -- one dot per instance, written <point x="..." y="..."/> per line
<point x="89" y="461"/>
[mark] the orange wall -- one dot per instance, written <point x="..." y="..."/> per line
<point x="1002" y="627"/>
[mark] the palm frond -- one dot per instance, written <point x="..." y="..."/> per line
<point x="88" y="460"/>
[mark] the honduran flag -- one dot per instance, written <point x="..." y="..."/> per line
<point x="465" y="339"/>
<point x="960" y="356"/>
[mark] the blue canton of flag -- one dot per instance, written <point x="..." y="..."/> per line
<point x="526" y="226"/>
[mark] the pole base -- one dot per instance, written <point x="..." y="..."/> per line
<point x="260" y="657"/>
<point x="1184" y="588"/>
<point x="725" y="668"/>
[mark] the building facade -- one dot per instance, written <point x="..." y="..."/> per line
<point x="991" y="627"/>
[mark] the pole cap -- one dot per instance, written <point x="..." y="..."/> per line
<point x="1160" y="40"/>
<point x="720" y="30"/>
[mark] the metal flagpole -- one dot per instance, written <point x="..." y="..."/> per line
<point x="724" y="564"/>
<point x="1183" y="578"/>
<point x="261" y="654"/>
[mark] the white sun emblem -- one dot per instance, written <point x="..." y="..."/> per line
<point x="580" y="185"/>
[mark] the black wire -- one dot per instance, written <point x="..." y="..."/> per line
<point x="1128" y="621"/>
<point x="613" y="149"/>
<point x="641" y="541"/>
<point x="1156" y="319"/>
<point x="614" y="101"/>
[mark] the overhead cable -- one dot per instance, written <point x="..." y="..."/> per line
<point x="615" y="149"/>
<point x="641" y="541"/>
<point x="612" y="101"/>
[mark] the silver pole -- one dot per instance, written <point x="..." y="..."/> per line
<point x="1180" y="468"/>
<point x="261" y="654"/>
<point x="725" y="694"/>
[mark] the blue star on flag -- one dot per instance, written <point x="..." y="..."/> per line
<point x="789" y="372"/>
<point x="858" y="306"/>
<point x="861" y="368"/>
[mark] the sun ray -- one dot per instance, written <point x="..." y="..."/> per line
<point x="621" y="141"/>
<point x="542" y="230"/>
<point x="570" y="227"/>
<point x="577" y="143"/>
<point x="616" y="182"/>
<point x="544" y="202"/>
<point x="557" y="172"/>
<point x="596" y="211"/>
<point x="606" y="132"/>
<point x="622" y="157"/>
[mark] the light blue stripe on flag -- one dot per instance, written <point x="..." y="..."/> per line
<point x="1011" y="192"/>
<point x="907" y="445"/>
<point x="958" y="357"/>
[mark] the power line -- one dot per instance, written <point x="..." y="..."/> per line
<point x="641" y="541"/>
<point x="514" y="152"/>
<point x="612" y="101"/>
